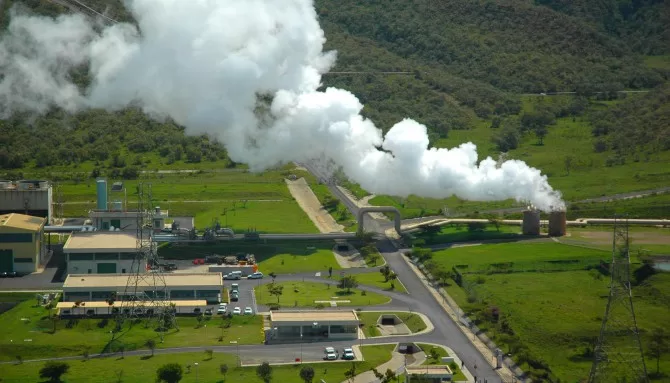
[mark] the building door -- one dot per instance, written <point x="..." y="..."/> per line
<point x="106" y="268"/>
<point x="6" y="260"/>
<point x="116" y="223"/>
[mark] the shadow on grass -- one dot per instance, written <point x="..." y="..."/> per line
<point x="146" y="357"/>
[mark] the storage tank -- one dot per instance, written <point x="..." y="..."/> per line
<point x="102" y="194"/>
<point x="531" y="222"/>
<point x="557" y="223"/>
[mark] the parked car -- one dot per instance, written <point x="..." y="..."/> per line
<point x="232" y="276"/>
<point x="256" y="275"/>
<point x="348" y="354"/>
<point x="237" y="311"/>
<point x="235" y="287"/>
<point x="208" y="312"/>
<point x="221" y="310"/>
<point x="199" y="261"/>
<point x="234" y="297"/>
<point x="248" y="311"/>
<point x="331" y="353"/>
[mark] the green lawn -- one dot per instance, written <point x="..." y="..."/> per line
<point x="557" y="315"/>
<point x="458" y="374"/>
<point x="303" y="294"/>
<point x="31" y="337"/>
<point x="474" y="257"/>
<point x="460" y="233"/>
<point x="654" y="241"/>
<point x="282" y="257"/>
<point x="135" y="369"/>
<point x="376" y="279"/>
<point x="369" y="320"/>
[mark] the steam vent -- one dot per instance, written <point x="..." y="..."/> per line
<point x="531" y="222"/>
<point x="557" y="224"/>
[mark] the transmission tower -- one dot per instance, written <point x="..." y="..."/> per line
<point x="618" y="353"/>
<point x="146" y="293"/>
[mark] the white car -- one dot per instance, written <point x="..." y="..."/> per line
<point x="348" y="354"/>
<point x="222" y="310"/>
<point x="256" y="275"/>
<point x="237" y="311"/>
<point x="248" y="311"/>
<point x="331" y="356"/>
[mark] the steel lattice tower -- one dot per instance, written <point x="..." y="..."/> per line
<point x="618" y="353"/>
<point x="136" y="300"/>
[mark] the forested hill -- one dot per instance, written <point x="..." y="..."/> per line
<point x="470" y="62"/>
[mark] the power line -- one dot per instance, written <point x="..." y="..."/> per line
<point x="353" y="72"/>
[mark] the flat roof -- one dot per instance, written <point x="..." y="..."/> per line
<point x="100" y="304"/>
<point x="120" y="280"/>
<point x="312" y="316"/>
<point x="101" y="241"/>
<point x="22" y="222"/>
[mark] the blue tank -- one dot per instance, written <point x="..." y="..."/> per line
<point x="102" y="194"/>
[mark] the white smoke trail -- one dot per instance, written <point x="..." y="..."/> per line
<point x="207" y="63"/>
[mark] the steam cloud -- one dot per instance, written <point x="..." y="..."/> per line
<point x="210" y="64"/>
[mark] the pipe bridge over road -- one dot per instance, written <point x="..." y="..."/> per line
<point x="379" y="209"/>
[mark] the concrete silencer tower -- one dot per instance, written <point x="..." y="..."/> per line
<point x="101" y="185"/>
<point x="557" y="223"/>
<point x="531" y="222"/>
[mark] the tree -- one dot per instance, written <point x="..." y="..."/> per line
<point x="264" y="371"/>
<point x="431" y="230"/>
<point x="441" y="275"/>
<point x="385" y="271"/>
<point x="365" y="236"/>
<point x="330" y="272"/>
<point x="277" y="290"/>
<point x="273" y="275"/>
<point x="307" y="374"/>
<point x="434" y="353"/>
<point x="54" y="370"/>
<point x="495" y="221"/>
<point x="391" y="278"/>
<point x="151" y="345"/>
<point x="658" y="345"/>
<point x="348" y="282"/>
<point x="540" y="133"/>
<point x="223" y="369"/>
<point x="169" y="373"/>
<point x="350" y="373"/>
<point x="374" y="257"/>
<point x="568" y="164"/>
<point x="209" y="353"/>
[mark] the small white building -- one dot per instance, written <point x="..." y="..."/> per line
<point x="290" y="326"/>
<point x="102" y="252"/>
<point x="125" y="220"/>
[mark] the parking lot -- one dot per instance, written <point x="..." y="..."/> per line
<point x="247" y="298"/>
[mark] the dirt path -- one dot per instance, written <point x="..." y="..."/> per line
<point x="305" y="197"/>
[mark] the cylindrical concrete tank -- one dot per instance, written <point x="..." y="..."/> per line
<point x="557" y="224"/>
<point x="531" y="222"/>
<point x="102" y="194"/>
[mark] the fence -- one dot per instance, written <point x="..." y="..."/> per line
<point x="467" y="322"/>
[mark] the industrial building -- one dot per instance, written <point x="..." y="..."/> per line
<point x="103" y="308"/>
<point x="180" y="287"/>
<point x="21" y="246"/>
<point x="307" y="326"/>
<point x="29" y="197"/>
<point x="101" y="252"/>
<point x="114" y="215"/>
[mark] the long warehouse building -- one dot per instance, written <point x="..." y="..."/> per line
<point x="179" y="287"/>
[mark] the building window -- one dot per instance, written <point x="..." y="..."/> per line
<point x="181" y="294"/>
<point x="15" y="238"/>
<point x="116" y="223"/>
<point x="208" y="293"/>
<point x="123" y="271"/>
<point x="106" y="257"/>
<point x="23" y="260"/>
<point x="90" y="271"/>
<point x="80" y="257"/>
<point x="105" y="226"/>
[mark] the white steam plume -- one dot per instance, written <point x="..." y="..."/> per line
<point x="207" y="63"/>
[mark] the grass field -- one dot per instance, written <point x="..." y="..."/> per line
<point x="135" y="369"/>
<point x="369" y="321"/>
<point x="477" y="256"/>
<point x="304" y="294"/>
<point x="237" y="199"/>
<point x="458" y="374"/>
<point x="31" y="333"/>
<point x="376" y="279"/>
<point x="460" y="233"/>
<point x="558" y="315"/>
<point x="282" y="257"/>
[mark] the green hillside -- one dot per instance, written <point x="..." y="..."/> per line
<point x="476" y="71"/>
